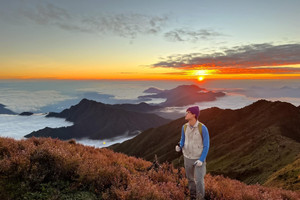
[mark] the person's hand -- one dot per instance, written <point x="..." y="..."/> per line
<point x="177" y="148"/>
<point x="198" y="163"/>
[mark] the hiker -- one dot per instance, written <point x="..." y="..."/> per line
<point x="194" y="144"/>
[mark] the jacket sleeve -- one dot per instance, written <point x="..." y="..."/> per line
<point x="205" y="143"/>
<point x="181" y="143"/>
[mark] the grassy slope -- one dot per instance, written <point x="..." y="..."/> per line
<point x="287" y="177"/>
<point x="248" y="144"/>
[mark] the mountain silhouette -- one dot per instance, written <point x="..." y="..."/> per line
<point x="26" y="114"/>
<point x="96" y="120"/>
<point x="182" y="95"/>
<point x="249" y="144"/>
<point x="4" y="110"/>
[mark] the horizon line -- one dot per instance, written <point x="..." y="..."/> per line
<point x="149" y="79"/>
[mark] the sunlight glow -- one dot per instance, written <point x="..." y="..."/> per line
<point x="201" y="72"/>
<point x="200" y="78"/>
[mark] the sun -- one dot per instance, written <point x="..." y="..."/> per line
<point x="200" y="78"/>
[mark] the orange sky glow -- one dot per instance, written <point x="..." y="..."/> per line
<point x="178" y="75"/>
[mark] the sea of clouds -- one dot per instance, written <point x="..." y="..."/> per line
<point x="42" y="97"/>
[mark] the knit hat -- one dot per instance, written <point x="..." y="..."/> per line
<point x="194" y="110"/>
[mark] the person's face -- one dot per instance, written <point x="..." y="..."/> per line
<point x="189" y="115"/>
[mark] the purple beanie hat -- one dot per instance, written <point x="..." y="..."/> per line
<point x="194" y="110"/>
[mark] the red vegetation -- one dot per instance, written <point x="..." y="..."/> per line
<point x="109" y="175"/>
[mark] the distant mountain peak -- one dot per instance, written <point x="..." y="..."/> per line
<point x="193" y="86"/>
<point x="96" y="120"/>
<point x="84" y="101"/>
<point x="153" y="90"/>
<point x="183" y="95"/>
<point x="262" y="102"/>
<point x="181" y="88"/>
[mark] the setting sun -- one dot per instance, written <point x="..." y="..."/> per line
<point x="200" y="78"/>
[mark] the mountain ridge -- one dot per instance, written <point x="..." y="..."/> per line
<point x="96" y="120"/>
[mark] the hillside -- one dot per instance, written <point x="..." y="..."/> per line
<point x="45" y="168"/>
<point x="249" y="144"/>
<point x="287" y="177"/>
<point x="96" y="120"/>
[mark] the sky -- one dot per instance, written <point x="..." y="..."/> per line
<point x="138" y="39"/>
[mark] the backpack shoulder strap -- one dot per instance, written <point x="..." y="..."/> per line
<point x="184" y="127"/>
<point x="200" y="129"/>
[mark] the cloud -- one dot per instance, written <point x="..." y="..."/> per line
<point x="268" y="92"/>
<point x="20" y="101"/>
<point x="188" y="35"/>
<point x="255" y="58"/>
<point x="230" y="101"/>
<point x="104" y="143"/>
<point x="127" y="25"/>
<point x="17" y="127"/>
<point x="45" y="14"/>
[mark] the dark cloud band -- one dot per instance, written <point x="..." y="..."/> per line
<point x="244" y="57"/>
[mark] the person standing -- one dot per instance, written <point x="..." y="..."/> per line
<point x="194" y="144"/>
